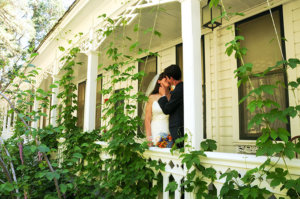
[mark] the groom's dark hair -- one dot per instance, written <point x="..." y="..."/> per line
<point x="173" y="71"/>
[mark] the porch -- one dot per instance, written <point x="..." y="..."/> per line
<point x="204" y="66"/>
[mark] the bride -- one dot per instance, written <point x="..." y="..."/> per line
<point x="156" y="122"/>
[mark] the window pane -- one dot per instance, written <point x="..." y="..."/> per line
<point x="263" y="52"/>
<point x="44" y="117"/>
<point x="261" y="42"/>
<point x="150" y="68"/>
<point x="81" y="98"/>
<point x="278" y="96"/>
<point x="98" y="102"/>
<point x="49" y="116"/>
<point x="179" y="58"/>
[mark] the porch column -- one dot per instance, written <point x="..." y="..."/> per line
<point x="191" y="39"/>
<point x="54" y="101"/>
<point x="90" y="92"/>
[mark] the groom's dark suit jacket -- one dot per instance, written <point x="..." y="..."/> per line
<point x="174" y="108"/>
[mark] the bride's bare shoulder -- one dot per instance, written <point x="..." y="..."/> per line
<point x="152" y="98"/>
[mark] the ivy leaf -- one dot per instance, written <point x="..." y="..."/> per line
<point x="77" y="155"/>
<point x="7" y="187"/>
<point x="148" y="30"/>
<point x="133" y="46"/>
<point x="61" y="48"/>
<point x="210" y="173"/>
<point x="43" y="148"/>
<point x="33" y="55"/>
<point x="229" y="50"/>
<point x="136" y="27"/>
<point x="208" y="145"/>
<point x="172" y="186"/>
<point x="213" y="3"/>
<point x="51" y="175"/>
<point x="246" y="192"/>
<point x="293" y="84"/>
<point x="283" y="134"/>
<point x="268" y="89"/>
<point x="293" y="63"/>
<point x="157" y="33"/>
<point x="289" y="150"/>
<point x="273" y="134"/>
<point x="53" y="86"/>
<point x="33" y="148"/>
<point x="63" y="188"/>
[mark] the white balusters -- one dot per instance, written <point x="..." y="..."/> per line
<point x="178" y="179"/>
<point x="165" y="184"/>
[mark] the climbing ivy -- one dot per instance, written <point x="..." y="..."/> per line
<point x="36" y="165"/>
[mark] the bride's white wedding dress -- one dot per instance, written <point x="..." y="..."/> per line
<point x="159" y="123"/>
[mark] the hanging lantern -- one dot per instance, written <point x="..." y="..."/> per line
<point x="208" y="14"/>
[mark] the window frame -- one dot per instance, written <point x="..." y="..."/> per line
<point x="78" y="103"/>
<point x="242" y="135"/>
<point x="139" y="105"/>
<point x="101" y="99"/>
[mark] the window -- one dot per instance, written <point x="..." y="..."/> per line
<point x="179" y="62"/>
<point x="49" y="115"/>
<point x="81" y="99"/>
<point x="44" y="117"/>
<point x="46" y="112"/>
<point x="263" y="52"/>
<point x="179" y="58"/>
<point x="149" y="66"/>
<point x="7" y="116"/>
<point x="98" y="102"/>
<point x="12" y="118"/>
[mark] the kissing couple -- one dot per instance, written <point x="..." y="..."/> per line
<point x="164" y="109"/>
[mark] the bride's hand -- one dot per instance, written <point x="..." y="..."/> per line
<point x="149" y="139"/>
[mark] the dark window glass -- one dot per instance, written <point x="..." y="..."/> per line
<point x="98" y="102"/>
<point x="49" y="115"/>
<point x="81" y="99"/>
<point x="263" y="52"/>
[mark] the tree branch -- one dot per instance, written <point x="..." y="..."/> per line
<point x="11" y="164"/>
<point x="29" y="128"/>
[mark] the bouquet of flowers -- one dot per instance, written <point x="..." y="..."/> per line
<point x="165" y="141"/>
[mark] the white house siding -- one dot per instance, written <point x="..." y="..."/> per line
<point x="291" y="14"/>
<point x="166" y="57"/>
<point x="219" y="93"/>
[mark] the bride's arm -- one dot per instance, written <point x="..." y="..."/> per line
<point x="148" y="116"/>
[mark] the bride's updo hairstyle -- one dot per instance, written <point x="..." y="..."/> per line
<point x="157" y="85"/>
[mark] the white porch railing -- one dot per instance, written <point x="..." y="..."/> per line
<point x="173" y="169"/>
<point x="221" y="162"/>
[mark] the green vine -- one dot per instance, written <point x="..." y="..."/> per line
<point x="36" y="165"/>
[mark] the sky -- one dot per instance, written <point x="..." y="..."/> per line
<point x="67" y="3"/>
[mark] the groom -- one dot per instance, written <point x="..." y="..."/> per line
<point x="172" y="103"/>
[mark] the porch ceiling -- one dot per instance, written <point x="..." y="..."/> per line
<point x="167" y="20"/>
<point x="238" y="5"/>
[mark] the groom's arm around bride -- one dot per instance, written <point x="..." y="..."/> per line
<point x="172" y="104"/>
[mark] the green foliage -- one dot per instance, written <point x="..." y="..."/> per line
<point x="125" y="173"/>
